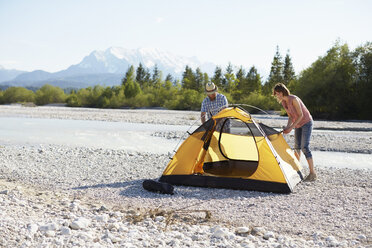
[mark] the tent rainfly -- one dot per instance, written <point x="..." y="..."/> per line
<point x="231" y="150"/>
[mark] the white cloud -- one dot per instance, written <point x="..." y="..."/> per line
<point x="159" y="19"/>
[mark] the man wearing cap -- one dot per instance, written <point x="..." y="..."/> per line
<point x="213" y="103"/>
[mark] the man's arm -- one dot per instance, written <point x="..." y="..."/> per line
<point x="202" y="116"/>
<point x="225" y="104"/>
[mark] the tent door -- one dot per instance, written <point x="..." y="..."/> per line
<point x="235" y="152"/>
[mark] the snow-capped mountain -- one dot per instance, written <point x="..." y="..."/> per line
<point x="108" y="68"/>
<point x="117" y="60"/>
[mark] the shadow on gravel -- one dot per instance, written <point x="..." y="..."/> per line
<point x="134" y="189"/>
<point x="130" y="189"/>
<point x="106" y="185"/>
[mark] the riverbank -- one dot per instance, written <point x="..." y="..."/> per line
<point x="336" y="136"/>
<point x="55" y="195"/>
<point x="158" y="116"/>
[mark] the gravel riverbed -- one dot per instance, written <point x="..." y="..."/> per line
<point x="62" y="196"/>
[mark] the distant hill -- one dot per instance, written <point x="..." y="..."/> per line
<point x="107" y="68"/>
<point x="6" y="75"/>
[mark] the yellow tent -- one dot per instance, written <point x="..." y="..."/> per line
<point x="231" y="150"/>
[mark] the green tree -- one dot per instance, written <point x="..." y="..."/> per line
<point x="362" y="87"/>
<point x="362" y="59"/>
<point x="229" y="80"/>
<point x="258" y="100"/>
<point x="240" y="77"/>
<point x="131" y="87"/>
<point x="276" y="73"/>
<point x="104" y="100"/>
<point x="156" y="77"/>
<point x="188" y="79"/>
<point x="326" y="86"/>
<point x="205" y="81"/>
<point x="17" y="94"/>
<point x="141" y="76"/>
<point x="241" y="81"/>
<point x="288" y="70"/>
<point x="186" y="99"/>
<point x="93" y="95"/>
<point x="129" y="76"/>
<point x="87" y="97"/>
<point x="117" y="98"/>
<point x="217" y="78"/>
<point x="253" y="80"/>
<point x="73" y="100"/>
<point x="49" y="94"/>
<point x="169" y="78"/>
<point x="247" y="83"/>
<point x="199" y="80"/>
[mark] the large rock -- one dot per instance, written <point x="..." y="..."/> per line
<point x="80" y="223"/>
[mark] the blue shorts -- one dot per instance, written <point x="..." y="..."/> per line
<point x="302" y="139"/>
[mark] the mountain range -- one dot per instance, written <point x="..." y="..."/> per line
<point x="105" y="68"/>
<point x="6" y="75"/>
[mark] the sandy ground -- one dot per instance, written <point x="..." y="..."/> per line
<point x="59" y="196"/>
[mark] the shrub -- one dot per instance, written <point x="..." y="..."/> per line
<point x="49" y="94"/>
<point x="17" y="94"/>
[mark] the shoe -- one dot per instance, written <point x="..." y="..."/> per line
<point x="311" y="177"/>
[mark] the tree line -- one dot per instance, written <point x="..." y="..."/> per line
<point x="337" y="85"/>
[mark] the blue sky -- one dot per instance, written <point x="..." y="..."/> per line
<point x="52" y="35"/>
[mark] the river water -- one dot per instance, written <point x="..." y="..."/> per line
<point x="131" y="137"/>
